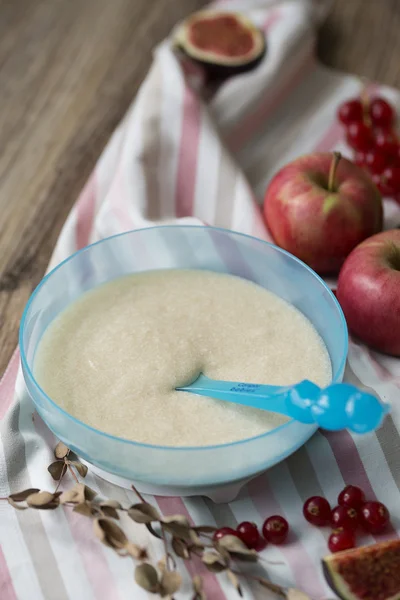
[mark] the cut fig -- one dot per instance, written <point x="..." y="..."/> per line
<point x="366" y="573"/>
<point x="224" y="43"/>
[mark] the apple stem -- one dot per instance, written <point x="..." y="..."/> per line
<point x="332" y="170"/>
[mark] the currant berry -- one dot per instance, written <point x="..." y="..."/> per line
<point x="381" y="112"/>
<point x="262" y="544"/>
<point x="396" y="157"/>
<point x="248" y="533"/>
<point x="223" y="531"/>
<point x="317" y="511"/>
<point x="386" y="142"/>
<point x="376" y="161"/>
<point x="359" y="136"/>
<point x="351" y="496"/>
<point x="342" y="539"/>
<point x="381" y="184"/>
<point x="374" y="517"/>
<point x="359" y="159"/>
<point x="344" y="517"/>
<point x="391" y="175"/>
<point x="275" y="529"/>
<point x="350" y="111"/>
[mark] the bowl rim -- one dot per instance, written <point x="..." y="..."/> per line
<point x="28" y="372"/>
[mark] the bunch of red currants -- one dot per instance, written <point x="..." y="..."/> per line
<point x="352" y="513"/>
<point x="370" y="132"/>
<point x="274" y="530"/>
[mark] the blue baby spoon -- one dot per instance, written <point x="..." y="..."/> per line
<point x="338" y="406"/>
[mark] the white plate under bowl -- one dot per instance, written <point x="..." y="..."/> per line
<point x="218" y="493"/>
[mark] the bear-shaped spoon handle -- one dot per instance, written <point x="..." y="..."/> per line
<point x="338" y="406"/>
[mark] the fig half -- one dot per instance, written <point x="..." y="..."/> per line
<point x="366" y="573"/>
<point x="224" y="43"/>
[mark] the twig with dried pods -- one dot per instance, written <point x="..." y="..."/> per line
<point x="180" y="538"/>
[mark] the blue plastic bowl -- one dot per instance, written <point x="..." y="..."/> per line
<point x="190" y="248"/>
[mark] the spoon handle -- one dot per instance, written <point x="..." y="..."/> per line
<point x="338" y="406"/>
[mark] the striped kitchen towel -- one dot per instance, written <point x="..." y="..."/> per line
<point x="183" y="155"/>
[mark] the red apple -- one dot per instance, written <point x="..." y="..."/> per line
<point x="369" y="291"/>
<point x="320" y="206"/>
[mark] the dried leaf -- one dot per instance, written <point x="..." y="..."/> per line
<point x="74" y="496"/>
<point x="170" y="583"/>
<point x="293" y="594"/>
<point x="225" y="554"/>
<point x="111" y="504"/>
<point x="205" y="529"/>
<point x="146" y="576"/>
<point x="143" y="513"/>
<point x="235" y="582"/>
<point x="180" y="548"/>
<point x="110" y="534"/>
<point x="84" y="508"/>
<point x="82" y="469"/>
<point x="43" y="500"/>
<point x="16" y="505"/>
<point x="162" y="564"/>
<point x="197" y="583"/>
<point x="195" y="540"/>
<point x="61" y="451"/>
<point x="88" y="492"/>
<point x="78" y="494"/>
<point x="21" y="496"/>
<point x="177" y="530"/>
<point x="178" y="526"/>
<point x="213" y="562"/>
<point x="135" y="551"/>
<point x="180" y="519"/>
<point x="109" y="511"/>
<point x="272" y="587"/>
<point x="232" y="543"/>
<point x="237" y="548"/>
<point x="57" y="469"/>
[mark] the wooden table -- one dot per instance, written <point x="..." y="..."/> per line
<point x="68" y="71"/>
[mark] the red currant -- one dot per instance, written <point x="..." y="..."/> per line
<point x="342" y="539"/>
<point x="396" y="157"/>
<point x="317" y="511"/>
<point x="359" y="136"/>
<point x="350" y="111"/>
<point x="262" y="544"/>
<point x="381" y="113"/>
<point x="344" y="517"/>
<point x="351" y="496"/>
<point x="223" y="531"/>
<point x="386" y="142"/>
<point x="380" y="183"/>
<point x="376" y="161"/>
<point x="391" y="175"/>
<point x="249" y="534"/>
<point x="275" y="529"/>
<point x="374" y="517"/>
<point x="359" y="159"/>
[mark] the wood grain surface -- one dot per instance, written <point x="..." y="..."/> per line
<point x="68" y="71"/>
